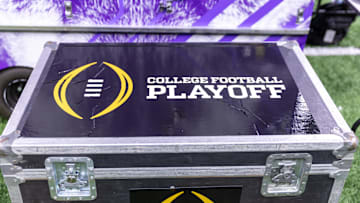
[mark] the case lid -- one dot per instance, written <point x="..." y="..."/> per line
<point x="192" y="89"/>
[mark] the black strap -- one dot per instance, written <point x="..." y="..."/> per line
<point x="318" y="7"/>
<point x="355" y="125"/>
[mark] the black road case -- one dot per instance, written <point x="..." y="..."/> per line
<point x="173" y="123"/>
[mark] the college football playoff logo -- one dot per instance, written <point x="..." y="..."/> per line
<point x="174" y="197"/>
<point x="59" y="93"/>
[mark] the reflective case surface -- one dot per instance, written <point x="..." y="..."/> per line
<point x="175" y="122"/>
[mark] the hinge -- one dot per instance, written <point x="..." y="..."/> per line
<point x="286" y="174"/>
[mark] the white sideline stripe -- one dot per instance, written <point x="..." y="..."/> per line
<point x="96" y="80"/>
<point x="93" y="90"/>
<point x="92" y="95"/>
<point x="331" y="51"/>
<point x="94" y="85"/>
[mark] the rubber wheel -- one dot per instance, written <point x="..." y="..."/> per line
<point x="12" y="82"/>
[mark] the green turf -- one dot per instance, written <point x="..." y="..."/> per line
<point x="4" y="197"/>
<point x="353" y="36"/>
<point x="340" y="75"/>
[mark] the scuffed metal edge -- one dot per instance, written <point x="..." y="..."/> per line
<point x="351" y="142"/>
<point x="12" y="129"/>
<point x="197" y="144"/>
<point x="8" y="157"/>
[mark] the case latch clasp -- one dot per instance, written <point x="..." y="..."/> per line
<point x="286" y="174"/>
<point x="71" y="178"/>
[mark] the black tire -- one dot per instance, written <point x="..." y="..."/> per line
<point x="12" y="82"/>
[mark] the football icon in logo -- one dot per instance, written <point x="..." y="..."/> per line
<point x="61" y="86"/>
<point x="174" y="197"/>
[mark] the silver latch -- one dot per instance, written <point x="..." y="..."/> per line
<point x="71" y="178"/>
<point x="300" y="15"/>
<point x="166" y="5"/>
<point x="68" y="9"/>
<point x="286" y="174"/>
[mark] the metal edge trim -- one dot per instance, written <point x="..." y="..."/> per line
<point x="13" y="189"/>
<point x="12" y="180"/>
<point x="176" y="172"/>
<point x="322" y="107"/>
<point x="11" y="132"/>
<point x="200" y="144"/>
<point x="151" y="29"/>
<point x="19" y="111"/>
<point x="335" y="123"/>
<point x="307" y="80"/>
<point x="336" y="191"/>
